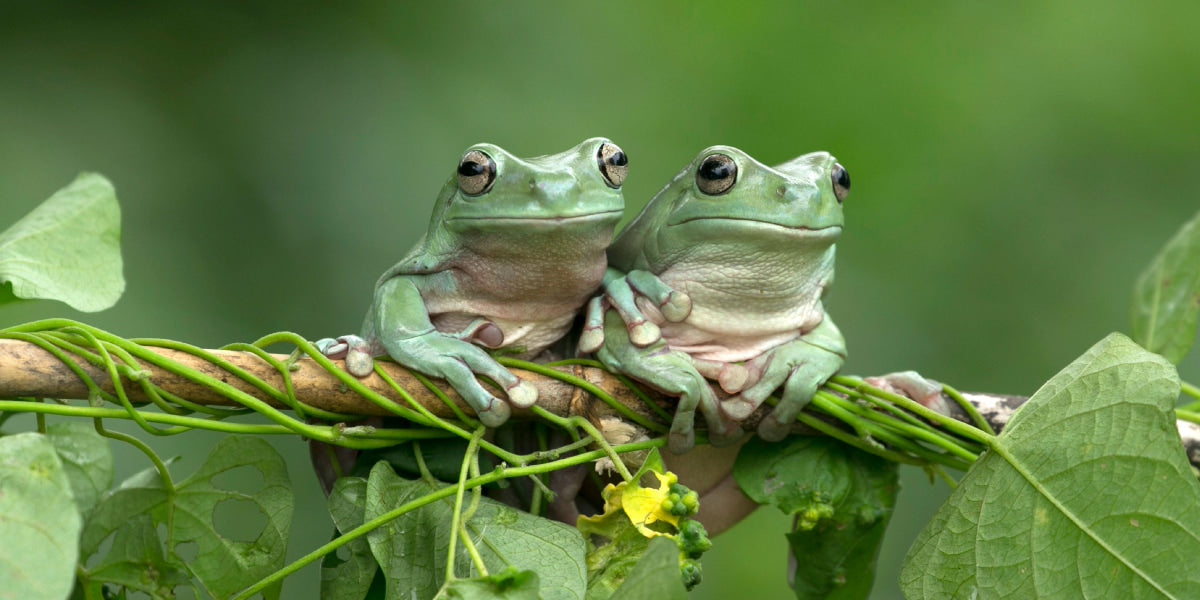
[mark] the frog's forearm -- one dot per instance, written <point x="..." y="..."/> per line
<point x="400" y="312"/>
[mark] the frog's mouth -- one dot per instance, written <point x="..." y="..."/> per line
<point x="527" y="220"/>
<point x="792" y="230"/>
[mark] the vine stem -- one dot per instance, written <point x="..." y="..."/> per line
<point x="460" y="490"/>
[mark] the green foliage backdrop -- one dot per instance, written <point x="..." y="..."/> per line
<point x="1015" y="165"/>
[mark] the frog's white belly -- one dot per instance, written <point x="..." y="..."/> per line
<point x="733" y="322"/>
<point x="534" y="336"/>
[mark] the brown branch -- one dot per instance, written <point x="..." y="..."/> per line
<point x="27" y="370"/>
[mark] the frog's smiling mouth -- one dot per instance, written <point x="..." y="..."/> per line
<point x="804" y="230"/>
<point x="525" y="219"/>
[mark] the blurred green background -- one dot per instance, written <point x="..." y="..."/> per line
<point x="1014" y="166"/>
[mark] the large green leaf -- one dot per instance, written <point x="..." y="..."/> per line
<point x="348" y="577"/>
<point x="510" y="584"/>
<point x="412" y="549"/>
<point x="87" y="461"/>
<point x="842" y="499"/>
<point x="1086" y="494"/>
<point x="39" y="524"/>
<point x="656" y="575"/>
<point x="1166" y="298"/>
<point x="223" y="565"/>
<point x="67" y="249"/>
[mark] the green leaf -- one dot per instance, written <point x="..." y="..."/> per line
<point x="68" y="248"/>
<point x="348" y="578"/>
<point x="842" y="499"/>
<point x="39" y="524"/>
<point x="222" y="565"/>
<point x="1166" y="298"/>
<point x="656" y="575"/>
<point x="87" y="461"/>
<point x="510" y="584"/>
<point x="1086" y="494"/>
<point x="412" y="548"/>
<point x="136" y="562"/>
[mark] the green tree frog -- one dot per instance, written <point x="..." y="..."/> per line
<point x="514" y="249"/>
<point x="723" y="275"/>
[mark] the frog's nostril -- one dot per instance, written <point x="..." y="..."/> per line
<point x="782" y="191"/>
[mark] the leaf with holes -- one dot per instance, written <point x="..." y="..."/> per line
<point x="1166" y="298"/>
<point x="412" y="549"/>
<point x="1086" y="494"/>
<point x="136" y="562"/>
<point x="39" y="524"/>
<point x="221" y="564"/>
<point x="87" y="461"/>
<point x="67" y="249"/>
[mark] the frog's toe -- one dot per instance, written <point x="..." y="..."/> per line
<point x="677" y="307"/>
<point x="331" y="348"/>
<point x="733" y="377"/>
<point x="738" y="408"/>
<point x="359" y="363"/>
<point x="772" y="430"/>
<point x="681" y="438"/>
<point x="522" y="395"/>
<point x="644" y="333"/>
<point x="591" y="340"/>
<point x="727" y="435"/>
<point x="496" y="413"/>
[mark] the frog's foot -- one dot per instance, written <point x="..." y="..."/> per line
<point x="640" y="293"/>
<point x="797" y="366"/>
<point x="355" y="350"/>
<point x="731" y="376"/>
<point x="592" y="336"/>
<point x="457" y="361"/>
<point x="911" y="384"/>
<point x="674" y="305"/>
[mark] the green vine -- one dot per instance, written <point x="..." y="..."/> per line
<point x="847" y="409"/>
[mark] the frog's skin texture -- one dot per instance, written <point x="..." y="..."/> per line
<point x="724" y="273"/>
<point x="514" y="249"/>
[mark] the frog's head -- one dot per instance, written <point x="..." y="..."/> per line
<point x="492" y="190"/>
<point x="727" y="197"/>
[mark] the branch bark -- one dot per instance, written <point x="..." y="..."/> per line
<point x="26" y="370"/>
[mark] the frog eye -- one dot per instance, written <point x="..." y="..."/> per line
<point x="613" y="164"/>
<point x="476" y="173"/>
<point x="841" y="182"/>
<point x="716" y="174"/>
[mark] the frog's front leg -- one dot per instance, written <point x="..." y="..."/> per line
<point x="405" y="331"/>
<point x="623" y="291"/>
<point x="670" y="372"/>
<point x="800" y="367"/>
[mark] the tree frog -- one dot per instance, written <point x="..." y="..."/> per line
<point x="724" y="271"/>
<point x="514" y="249"/>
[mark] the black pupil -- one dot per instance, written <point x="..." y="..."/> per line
<point x="842" y="177"/>
<point x="618" y="159"/>
<point x="714" y="170"/>
<point x="470" y="168"/>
